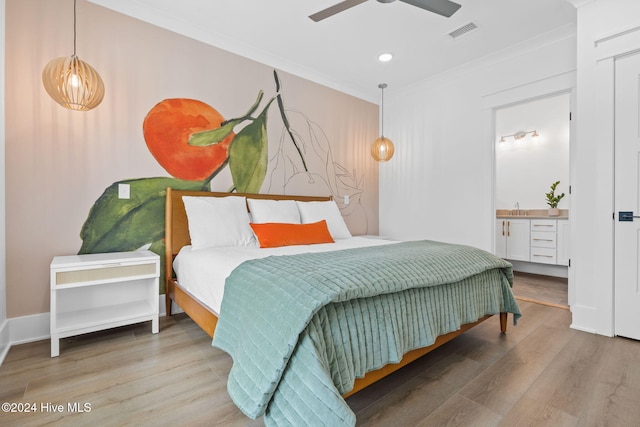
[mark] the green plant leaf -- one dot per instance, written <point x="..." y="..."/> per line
<point x="552" y="199"/>
<point x="213" y="136"/>
<point x="127" y="224"/>
<point x="158" y="247"/>
<point x="115" y="225"/>
<point x="248" y="155"/>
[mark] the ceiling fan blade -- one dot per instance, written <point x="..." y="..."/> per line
<point x="336" y="8"/>
<point x="445" y="8"/>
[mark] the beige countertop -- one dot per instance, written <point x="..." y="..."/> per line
<point x="530" y="214"/>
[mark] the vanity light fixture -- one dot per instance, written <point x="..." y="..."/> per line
<point x="382" y="148"/>
<point x="520" y="134"/>
<point x="73" y="83"/>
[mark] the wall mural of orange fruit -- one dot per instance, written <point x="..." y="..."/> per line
<point x="167" y="130"/>
<point x="193" y="142"/>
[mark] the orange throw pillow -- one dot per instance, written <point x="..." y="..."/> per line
<point x="275" y="234"/>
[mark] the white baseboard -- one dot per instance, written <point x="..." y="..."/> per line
<point x="5" y="340"/>
<point x="582" y="329"/>
<point x="543" y="269"/>
<point x="175" y="308"/>
<point x="35" y="327"/>
<point x="585" y="319"/>
<point x="29" y="328"/>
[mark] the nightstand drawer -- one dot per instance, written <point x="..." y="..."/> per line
<point x="105" y="273"/>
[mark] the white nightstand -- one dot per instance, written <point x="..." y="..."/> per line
<point x="100" y="291"/>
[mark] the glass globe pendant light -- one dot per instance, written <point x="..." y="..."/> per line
<point x="71" y="82"/>
<point x="382" y="149"/>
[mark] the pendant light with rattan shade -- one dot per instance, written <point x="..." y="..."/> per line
<point x="71" y="82"/>
<point x="382" y="149"/>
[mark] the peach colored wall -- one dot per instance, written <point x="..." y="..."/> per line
<point x="58" y="162"/>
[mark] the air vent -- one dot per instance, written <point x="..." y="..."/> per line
<point x="465" y="29"/>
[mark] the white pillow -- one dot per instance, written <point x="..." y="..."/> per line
<point x="329" y="211"/>
<point x="218" y="221"/>
<point x="263" y="211"/>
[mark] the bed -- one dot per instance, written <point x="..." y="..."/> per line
<point x="299" y="383"/>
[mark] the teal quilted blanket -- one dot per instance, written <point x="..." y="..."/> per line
<point x="301" y="328"/>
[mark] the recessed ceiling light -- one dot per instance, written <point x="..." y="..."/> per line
<point x="385" y="57"/>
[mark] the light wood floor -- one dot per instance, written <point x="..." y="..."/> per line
<point x="543" y="289"/>
<point x="541" y="373"/>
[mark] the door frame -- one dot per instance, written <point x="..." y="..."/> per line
<point x="560" y="84"/>
<point x="595" y="311"/>
<point x="617" y="266"/>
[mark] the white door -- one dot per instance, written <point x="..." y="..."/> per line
<point x="627" y="197"/>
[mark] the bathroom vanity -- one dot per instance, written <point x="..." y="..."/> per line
<point x="532" y="236"/>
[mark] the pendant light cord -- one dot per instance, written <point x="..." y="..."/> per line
<point x="74" y="28"/>
<point x="382" y="86"/>
<point x="382" y="112"/>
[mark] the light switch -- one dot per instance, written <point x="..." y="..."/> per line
<point x="123" y="191"/>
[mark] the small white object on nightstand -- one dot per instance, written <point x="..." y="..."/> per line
<point x="93" y="292"/>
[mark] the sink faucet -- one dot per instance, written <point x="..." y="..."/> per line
<point x="517" y="208"/>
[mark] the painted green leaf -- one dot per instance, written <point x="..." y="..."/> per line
<point x="213" y="136"/>
<point x="115" y="224"/>
<point x="127" y="224"/>
<point x="158" y="248"/>
<point x="248" y="155"/>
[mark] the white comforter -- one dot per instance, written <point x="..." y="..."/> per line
<point x="203" y="272"/>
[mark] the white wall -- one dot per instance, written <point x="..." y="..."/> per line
<point x="4" y="328"/>
<point x="606" y="29"/>
<point x="440" y="184"/>
<point x="526" y="168"/>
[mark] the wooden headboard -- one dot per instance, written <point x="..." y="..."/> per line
<point x="176" y="225"/>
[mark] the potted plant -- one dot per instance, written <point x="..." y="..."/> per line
<point x="553" y="200"/>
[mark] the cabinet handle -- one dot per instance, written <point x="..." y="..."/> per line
<point x="544" y="256"/>
<point x="543" y="225"/>
<point x="508" y="228"/>
<point x="544" y="240"/>
<point x="503" y="227"/>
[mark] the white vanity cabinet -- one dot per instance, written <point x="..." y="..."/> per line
<point x="100" y="291"/>
<point x="543" y="241"/>
<point x="512" y="239"/>
<point x="539" y="240"/>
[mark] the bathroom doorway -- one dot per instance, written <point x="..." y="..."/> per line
<point x="532" y="149"/>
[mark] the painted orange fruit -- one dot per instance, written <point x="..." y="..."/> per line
<point x="167" y="128"/>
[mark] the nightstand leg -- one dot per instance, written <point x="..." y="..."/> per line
<point x="155" y="326"/>
<point x="55" y="346"/>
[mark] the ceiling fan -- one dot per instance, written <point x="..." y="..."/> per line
<point x="445" y="8"/>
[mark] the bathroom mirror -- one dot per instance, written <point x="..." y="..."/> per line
<point x="532" y="152"/>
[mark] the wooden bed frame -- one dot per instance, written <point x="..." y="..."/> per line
<point x="177" y="236"/>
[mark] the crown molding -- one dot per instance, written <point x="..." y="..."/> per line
<point x="580" y="3"/>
